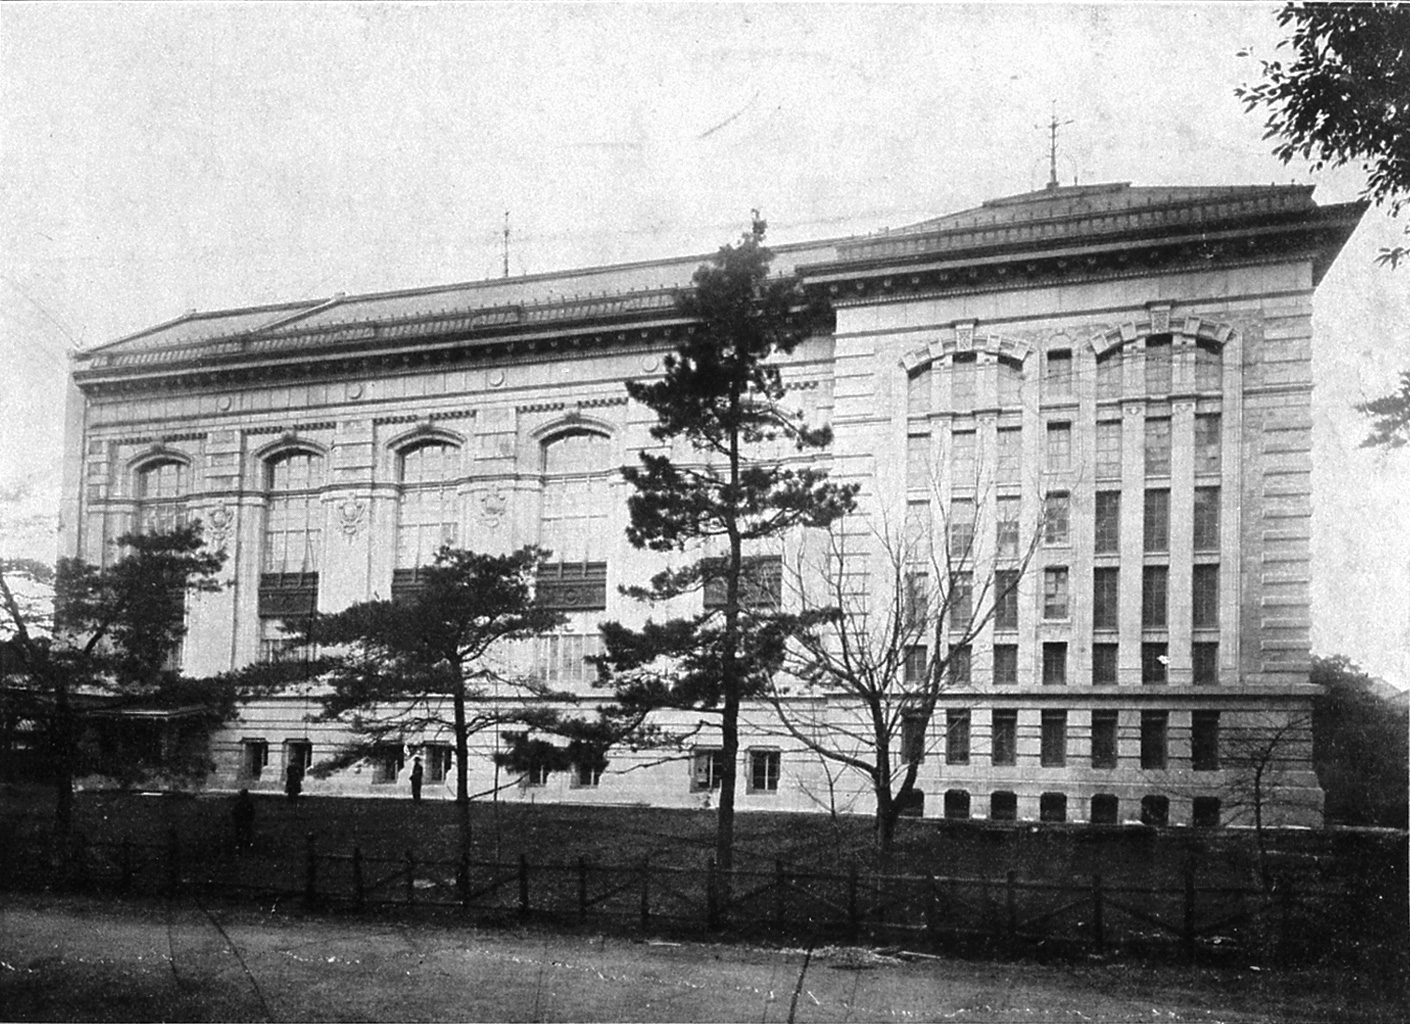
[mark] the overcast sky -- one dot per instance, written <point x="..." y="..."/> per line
<point x="162" y="158"/>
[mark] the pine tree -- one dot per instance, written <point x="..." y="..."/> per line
<point x="721" y="485"/>
<point x="109" y="645"/>
<point x="427" y="663"/>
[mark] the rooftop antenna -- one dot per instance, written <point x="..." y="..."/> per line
<point x="506" y="243"/>
<point x="1053" y="126"/>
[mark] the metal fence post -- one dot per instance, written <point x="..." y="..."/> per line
<point x="1187" y="932"/>
<point x="582" y="889"/>
<point x="778" y="893"/>
<point x="1098" y="930"/>
<point x="645" y="892"/>
<point x="310" y="870"/>
<point x="712" y="902"/>
<point x="523" y="886"/>
<point x="854" y="920"/>
<point x="173" y="861"/>
<point x="1011" y="904"/>
<point x="359" y="891"/>
<point x="410" y="877"/>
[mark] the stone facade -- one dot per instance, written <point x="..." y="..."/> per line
<point x="1141" y="357"/>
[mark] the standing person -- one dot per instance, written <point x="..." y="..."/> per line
<point x="416" y="776"/>
<point x="243" y="815"/>
<point x="294" y="779"/>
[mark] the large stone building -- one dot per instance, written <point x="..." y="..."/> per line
<point x="1131" y="366"/>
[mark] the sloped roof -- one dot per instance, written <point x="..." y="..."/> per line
<point x="1068" y="202"/>
<point x="1108" y="215"/>
<point x="602" y="290"/>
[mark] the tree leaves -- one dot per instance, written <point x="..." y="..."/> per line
<point x="1343" y="96"/>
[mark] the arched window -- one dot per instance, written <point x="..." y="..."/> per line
<point x="576" y="475"/>
<point x="293" y="529"/>
<point x="161" y="488"/>
<point x="428" y="507"/>
<point x="577" y="471"/>
<point x="293" y="540"/>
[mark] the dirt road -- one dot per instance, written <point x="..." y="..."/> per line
<point x="88" y="959"/>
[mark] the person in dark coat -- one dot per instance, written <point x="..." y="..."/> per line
<point x="416" y="776"/>
<point x="294" y="779"/>
<point x="243" y="816"/>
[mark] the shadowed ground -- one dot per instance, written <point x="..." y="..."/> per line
<point x="92" y="959"/>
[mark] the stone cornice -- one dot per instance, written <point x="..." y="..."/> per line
<point x="961" y="261"/>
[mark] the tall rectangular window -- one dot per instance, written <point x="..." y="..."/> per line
<point x="1205" y="588"/>
<point x="1109" y="375"/>
<point x="1005" y="664"/>
<point x="428" y="509"/>
<point x="1158" y="446"/>
<point x="1054" y="664"/>
<point x="1055" y="595"/>
<point x="1109" y="450"/>
<point x="1209" y="368"/>
<point x="1057" y="516"/>
<point x="1009" y="455"/>
<point x="918" y="461"/>
<point x="1006" y="520"/>
<point x="917" y="530"/>
<point x="1157" y="520"/>
<point x="961" y="601"/>
<point x="1155" y="586"/>
<point x="1057" y="384"/>
<point x="255" y="757"/>
<point x="957" y="736"/>
<point x="1155" y="726"/>
<point x="1104" y="739"/>
<point x="1059" y="447"/>
<point x="1155" y="658"/>
<point x="1006" y="599"/>
<point x="1207" y="443"/>
<point x="962" y="464"/>
<point x="1010" y="383"/>
<point x="1107" y="523"/>
<point x="1206" y="518"/>
<point x="960" y="666"/>
<point x="913" y="739"/>
<point x="915" y="600"/>
<point x="1054" y="745"/>
<point x="1004" y="745"/>
<point x="1158" y="365"/>
<point x="918" y="392"/>
<point x="293" y="530"/>
<point x="961" y="527"/>
<point x="962" y="375"/>
<point x="1106" y="598"/>
<point x="1204" y="741"/>
<point x="1104" y="664"/>
<point x="1205" y="658"/>
<point x="916" y="665"/>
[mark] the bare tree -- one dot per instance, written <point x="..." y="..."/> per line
<point x="902" y="617"/>
<point x="1264" y="754"/>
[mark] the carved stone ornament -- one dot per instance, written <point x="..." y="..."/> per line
<point x="493" y="506"/>
<point x="352" y="513"/>
<point x="219" y="524"/>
